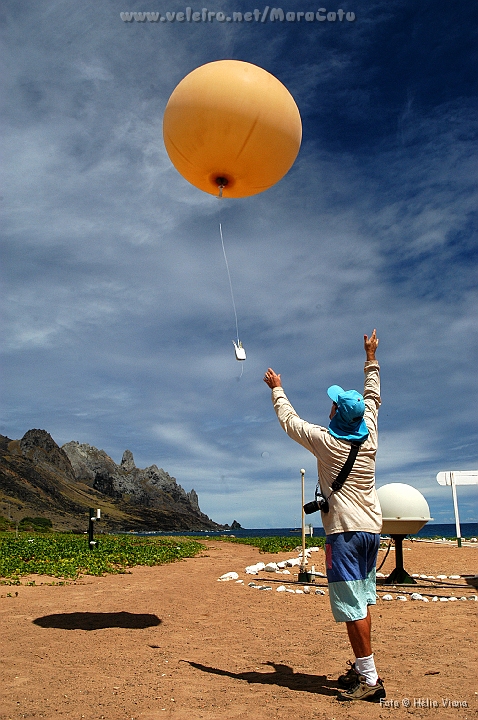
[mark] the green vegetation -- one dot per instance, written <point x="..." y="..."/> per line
<point x="6" y="524"/>
<point x="64" y="555"/>
<point x="37" y="524"/>
<point x="68" y="556"/>
<point x="277" y="544"/>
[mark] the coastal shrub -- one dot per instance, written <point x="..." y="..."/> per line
<point x="5" y="524"/>
<point x="278" y="544"/>
<point x="37" y="524"/>
<point x="67" y="556"/>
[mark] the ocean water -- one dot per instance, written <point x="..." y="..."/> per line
<point x="468" y="530"/>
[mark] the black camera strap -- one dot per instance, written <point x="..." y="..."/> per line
<point x="345" y="471"/>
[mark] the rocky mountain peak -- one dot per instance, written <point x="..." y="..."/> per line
<point x="193" y="498"/>
<point x="127" y="461"/>
<point x="147" y="487"/>
<point x="39" y="447"/>
<point x="38" y="478"/>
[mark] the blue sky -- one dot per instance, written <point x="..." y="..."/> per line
<point x="118" y="321"/>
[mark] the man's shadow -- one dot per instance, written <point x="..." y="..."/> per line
<point x="283" y="675"/>
<point x="98" y="620"/>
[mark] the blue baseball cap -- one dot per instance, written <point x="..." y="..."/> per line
<point x="348" y="422"/>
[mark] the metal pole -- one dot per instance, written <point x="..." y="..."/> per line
<point x="455" y="505"/>
<point x="399" y="575"/>
<point x="302" y="472"/>
<point x="303" y="575"/>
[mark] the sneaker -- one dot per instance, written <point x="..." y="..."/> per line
<point x="362" y="691"/>
<point x="349" y="678"/>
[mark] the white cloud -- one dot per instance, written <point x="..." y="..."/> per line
<point x="401" y="449"/>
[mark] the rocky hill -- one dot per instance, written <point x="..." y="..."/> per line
<point x="40" y="479"/>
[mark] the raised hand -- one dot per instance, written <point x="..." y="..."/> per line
<point x="272" y="379"/>
<point x="370" y="344"/>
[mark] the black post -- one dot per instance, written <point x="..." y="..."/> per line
<point x="399" y="576"/>
<point x="93" y="516"/>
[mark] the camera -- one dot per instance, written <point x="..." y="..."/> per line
<point x="320" y="503"/>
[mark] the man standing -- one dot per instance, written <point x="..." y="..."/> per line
<point x="353" y="521"/>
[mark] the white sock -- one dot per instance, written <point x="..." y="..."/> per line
<point x="366" y="666"/>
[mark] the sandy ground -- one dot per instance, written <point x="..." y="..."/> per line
<point x="172" y="642"/>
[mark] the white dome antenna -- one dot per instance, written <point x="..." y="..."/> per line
<point x="404" y="511"/>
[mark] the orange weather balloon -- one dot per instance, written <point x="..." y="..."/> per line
<point x="232" y="127"/>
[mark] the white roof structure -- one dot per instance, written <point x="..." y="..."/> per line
<point x="458" y="477"/>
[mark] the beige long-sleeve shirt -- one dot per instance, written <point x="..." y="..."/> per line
<point x="355" y="507"/>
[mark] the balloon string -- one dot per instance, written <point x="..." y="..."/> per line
<point x="230" y="283"/>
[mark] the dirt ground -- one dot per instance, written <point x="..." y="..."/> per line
<point x="171" y="642"/>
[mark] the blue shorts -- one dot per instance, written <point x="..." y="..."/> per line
<point x="350" y="562"/>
